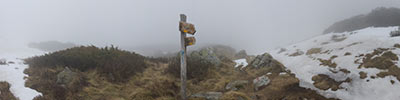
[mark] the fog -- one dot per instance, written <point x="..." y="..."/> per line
<point x="138" y="25"/>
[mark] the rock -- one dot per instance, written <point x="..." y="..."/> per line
<point x="297" y="53"/>
<point x="241" y="54"/>
<point x="223" y="51"/>
<point x="396" y="45"/>
<point x="208" y="55"/>
<point x="324" y="82"/>
<point x="11" y="62"/>
<point x="260" y="81"/>
<point x="347" y="54"/>
<point x="262" y="60"/>
<point x="236" y="85"/>
<point x="282" y="50"/>
<point x="395" y="33"/>
<point x="3" y="61"/>
<point x="65" y="77"/>
<point x="338" y="38"/>
<point x="208" y="95"/>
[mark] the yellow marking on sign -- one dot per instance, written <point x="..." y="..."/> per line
<point x="190" y="41"/>
<point x="187" y="28"/>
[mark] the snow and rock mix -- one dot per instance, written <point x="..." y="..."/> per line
<point x="358" y="65"/>
<point x="12" y="70"/>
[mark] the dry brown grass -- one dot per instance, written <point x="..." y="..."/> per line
<point x="5" y="93"/>
<point x="297" y="53"/>
<point x="234" y="95"/>
<point x="313" y="51"/>
<point x="324" y="82"/>
<point x="155" y="82"/>
<point x="152" y="84"/>
<point x="384" y="59"/>
<point x="328" y="62"/>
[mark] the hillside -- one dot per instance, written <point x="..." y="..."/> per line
<point x="357" y="65"/>
<point x="379" y="17"/>
<point x="82" y="73"/>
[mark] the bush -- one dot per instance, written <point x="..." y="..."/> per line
<point x="197" y="68"/>
<point x="114" y="64"/>
<point x="44" y="80"/>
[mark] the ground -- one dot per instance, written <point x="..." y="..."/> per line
<point x="358" y="65"/>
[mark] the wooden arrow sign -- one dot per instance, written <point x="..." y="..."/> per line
<point x="187" y="28"/>
<point x="190" y="41"/>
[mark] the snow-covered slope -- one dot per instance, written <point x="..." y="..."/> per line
<point x="342" y="56"/>
<point x="13" y="72"/>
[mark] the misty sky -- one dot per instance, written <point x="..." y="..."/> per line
<point x="254" y="25"/>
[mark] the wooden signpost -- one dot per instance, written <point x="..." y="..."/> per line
<point x="185" y="28"/>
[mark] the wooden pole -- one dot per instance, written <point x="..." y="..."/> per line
<point x="183" y="61"/>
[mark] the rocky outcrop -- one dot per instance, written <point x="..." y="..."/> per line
<point x="241" y="54"/>
<point x="236" y="85"/>
<point x="208" y="55"/>
<point x="263" y="60"/>
<point x="3" y="61"/>
<point x="207" y="95"/>
<point x="223" y="51"/>
<point x="260" y="82"/>
<point x="11" y="62"/>
<point x="65" y="77"/>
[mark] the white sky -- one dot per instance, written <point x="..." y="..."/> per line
<point x="254" y="25"/>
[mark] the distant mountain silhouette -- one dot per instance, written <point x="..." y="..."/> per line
<point x="51" y="46"/>
<point x="379" y="17"/>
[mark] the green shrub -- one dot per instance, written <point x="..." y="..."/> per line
<point x="114" y="64"/>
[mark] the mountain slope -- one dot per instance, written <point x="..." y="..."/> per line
<point x="358" y="65"/>
<point x="379" y="17"/>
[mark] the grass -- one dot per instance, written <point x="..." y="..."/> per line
<point x="117" y="65"/>
<point x="5" y="93"/>
<point x="157" y="80"/>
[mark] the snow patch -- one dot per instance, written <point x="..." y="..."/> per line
<point x="365" y="41"/>
<point x="241" y="62"/>
<point x="13" y="73"/>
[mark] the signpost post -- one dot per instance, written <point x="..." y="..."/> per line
<point x="185" y="28"/>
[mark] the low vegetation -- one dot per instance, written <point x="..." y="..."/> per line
<point x="324" y="82"/>
<point x="328" y="62"/>
<point x="383" y="59"/>
<point x="313" y="51"/>
<point x="5" y="93"/>
<point x="152" y="78"/>
<point x="115" y="64"/>
<point x="110" y="64"/>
